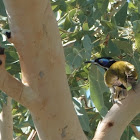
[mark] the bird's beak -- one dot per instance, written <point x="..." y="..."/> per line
<point x="91" y="61"/>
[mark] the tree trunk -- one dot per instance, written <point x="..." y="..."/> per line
<point x="44" y="91"/>
<point x="6" y="121"/>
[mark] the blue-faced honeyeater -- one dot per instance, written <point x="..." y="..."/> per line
<point x="120" y="76"/>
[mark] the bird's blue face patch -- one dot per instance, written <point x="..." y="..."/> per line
<point x="104" y="61"/>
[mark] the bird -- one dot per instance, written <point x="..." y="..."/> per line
<point x="119" y="76"/>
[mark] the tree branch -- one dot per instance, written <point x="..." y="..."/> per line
<point x="119" y="117"/>
<point x="6" y="121"/>
<point x="13" y="87"/>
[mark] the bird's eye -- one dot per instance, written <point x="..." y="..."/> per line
<point x="101" y="61"/>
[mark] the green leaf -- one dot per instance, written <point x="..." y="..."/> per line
<point x="136" y="120"/>
<point x="106" y="96"/>
<point x="127" y="134"/>
<point x="121" y="15"/>
<point x="100" y="8"/>
<point x="81" y="90"/>
<point x="94" y="118"/>
<point x="135" y="60"/>
<point x="68" y="69"/>
<point x="136" y="29"/>
<point x="2" y="9"/>
<point x="136" y="26"/>
<point x="75" y="55"/>
<point x="110" y="28"/>
<point x="82" y="115"/>
<point x="3" y="99"/>
<point x="113" y="50"/>
<point x="123" y="45"/>
<point x="88" y="46"/>
<point x="139" y="7"/>
<point x="67" y="23"/>
<point x="63" y="5"/>
<point x="12" y="61"/>
<point x="135" y="16"/>
<point x="97" y="88"/>
<point x="69" y="19"/>
<point x="3" y="20"/>
<point x="81" y="16"/>
<point x="85" y="27"/>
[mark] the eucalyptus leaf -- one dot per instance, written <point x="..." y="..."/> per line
<point x="82" y="115"/>
<point x="136" y="29"/>
<point x="127" y="134"/>
<point x="136" y="120"/>
<point x="88" y="46"/>
<point x="2" y="9"/>
<point x="123" y="45"/>
<point x="100" y="8"/>
<point x="113" y="50"/>
<point x="121" y="15"/>
<point x="97" y="88"/>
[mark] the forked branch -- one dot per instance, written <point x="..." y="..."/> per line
<point x="13" y="87"/>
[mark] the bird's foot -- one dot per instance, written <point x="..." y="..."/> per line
<point x="118" y="96"/>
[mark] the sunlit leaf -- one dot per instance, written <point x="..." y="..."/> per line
<point x="136" y="29"/>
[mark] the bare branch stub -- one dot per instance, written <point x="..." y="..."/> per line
<point x="2" y="51"/>
<point x="2" y="56"/>
<point x="8" y="35"/>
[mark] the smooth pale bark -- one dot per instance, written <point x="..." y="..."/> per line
<point x="6" y="121"/>
<point x="36" y="37"/>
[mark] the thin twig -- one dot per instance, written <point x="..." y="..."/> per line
<point x="85" y="101"/>
<point x="32" y="135"/>
<point x="135" y="130"/>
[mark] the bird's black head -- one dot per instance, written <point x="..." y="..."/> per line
<point x="104" y="62"/>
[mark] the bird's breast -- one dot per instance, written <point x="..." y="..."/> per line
<point x="121" y="72"/>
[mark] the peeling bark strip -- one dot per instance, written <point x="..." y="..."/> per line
<point x="45" y="91"/>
